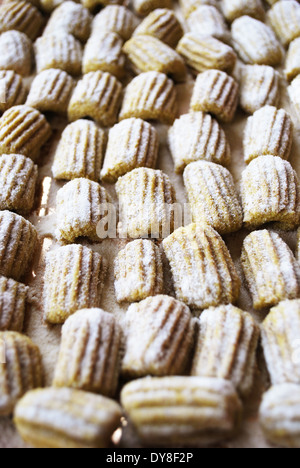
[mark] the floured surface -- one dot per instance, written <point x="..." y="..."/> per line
<point x="48" y="337"/>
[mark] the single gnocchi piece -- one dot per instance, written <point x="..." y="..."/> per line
<point x="255" y="42"/>
<point x="144" y="7"/>
<point x="226" y="347"/>
<point x="233" y="9"/>
<point x="212" y="196"/>
<point x="270" y="193"/>
<point x="159" y="334"/>
<point x="67" y="418"/>
<point x="270" y="268"/>
<point x="132" y="143"/>
<point x="74" y="278"/>
<point x="188" y="6"/>
<point x="138" y="271"/>
<point x="23" y="130"/>
<point x="206" y="52"/>
<point x="284" y="18"/>
<point x="15" y="233"/>
<point x="104" y="52"/>
<point x="146" y="199"/>
<point x="207" y="20"/>
<point x="98" y="96"/>
<point x="13" y="296"/>
<point x="80" y="206"/>
<point x="51" y="91"/>
<point x="21" y="16"/>
<point x="280" y="415"/>
<point x="259" y="87"/>
<point x="197" y="136"/>
<point x="13" y="89"/>
<point x="217" y="93"/>
<point x="150" y="96"/>
<point x="280" y="338"/>
<point x="147" y="53"/>
<point x="268" y="132"/>
<point x="58" y="50"/>
<point x="71" y="18"/>
<point x="294" y="93"/>
<point x="189" y="411"/>
<point x="16" y="52"/>
<point x="117" y="19"/>
<point x="80" y="152"/>
<point x="18" y="178"/>
<point x="162" y="24"/>
<point x="292" y="64"/>
<point x="89" y="354"/>
<point x="203" y="272"/>
<point x="21" y="370"/>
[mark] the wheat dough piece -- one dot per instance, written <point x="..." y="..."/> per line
<point x="67" y="418"/>
<point x="12" y="90"/>
<point x="98" y="96"/>
<point x="280" y="339"/>
<point x="259" y="87"/>
<point x="212" y="196"/>
<point x="89" y="355"/>
<point x="203" y="272"/>
<point x="49" y="5"/>
<point x="280" y="415"/>
<point x="51" y="91"/>
<point x="294" y="93"/>
<point x="233" y="9"/>
<point x="80" y="151"/>
<point x="91" y="4"/>
<point x="21" y="16"/>
<point x="13" y="297"/>
<point x="138" y="271"/>
<point x="146" y="199"/>
<point x="207" y="20"/>
<point x="80" y="204"/>
<point x="18" y="178"/>
<point x="255" y="42"/>
<point x="21" y="372"/>
<point x="268" y="132"/>
<point x="226" y="347"/>
<point x="150" y="96"/>
<point x="188" y="6"/>
<point x="23" y="130"/>
<point x="132" y="143"/>
<point x="159" y="334"/>
<point x="197" y="136"/>
<point x="206" y="52"/>
<point x="147" y="53"/>
<point x="292" y="63"/>
<point x="15" y="233"/>
<point x="103" y="52"/>
<point x="217" y="93"/>
<point x="144" y="7"/>
<point x="117" y="19"/>
<point x="16" y="52"/>
<point x="270" y="268"/>
<point x="73" y="280"/>
<point x="270" y="193"/>
<point x="284" y="18"/>
<point x="58" y="50"/>
<point x="162" y="24"/>
<point x="189" y="411"/>
<point x="71" y="18"/>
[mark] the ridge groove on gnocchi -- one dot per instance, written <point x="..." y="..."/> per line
<point x="212" y="196"/>
<point x="13" y="88"/>
<point x="89" y="355"/>
<point x="284" y="18"/>
<point x="104" y="52"/>
<point x="115" y="18"/>
<point x="226" y="347"/>
<point x="207" y="20"/>
<point x="233" y="9"/>
<point x="188" y="6"/>
<point x="21" y="16"/>
<point x="159" y="336"/>
<point x="203" y="272"/>
<point x="294" y="93"/>
<point x="259" y="87"/>
<point x="16" y="52"/>
<point x="138" y="271"/>
<point x="162" y="24"/>
<point x="144" y="7"/>
<point x="270" y="268"/>
<point x="13" y="297"/>
<point x="292" y="64"/>
<point x="73" y="280"/>
<point x="71" y="18"/>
